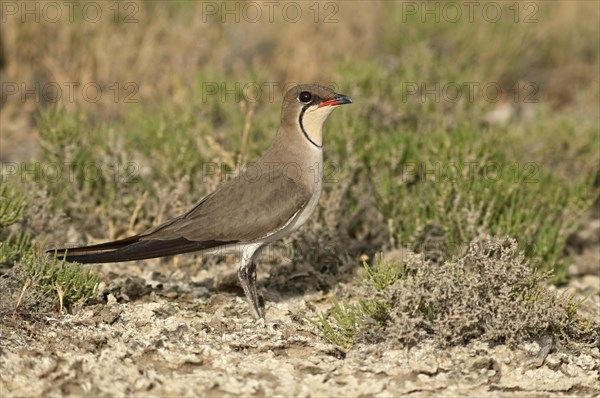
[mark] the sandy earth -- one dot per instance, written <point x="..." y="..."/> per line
<point x="169" y="339"/>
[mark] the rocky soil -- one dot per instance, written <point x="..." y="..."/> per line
<point x="149" y="337"/>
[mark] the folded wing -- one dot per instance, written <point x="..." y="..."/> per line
<point x="239" y="211"/>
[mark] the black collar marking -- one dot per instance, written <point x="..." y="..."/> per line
<point x="304" y="108"/>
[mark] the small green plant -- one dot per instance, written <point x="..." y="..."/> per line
<point x="12" y="245"/>
<point x="14" y="248"/>
<point x="347" y="321"/>
<point x="29" y="271"/>
<point x="47" y="279"/>
<point x="69" y="284"/>
<point x="12" y="204"/>
<point x="383" y="274"/>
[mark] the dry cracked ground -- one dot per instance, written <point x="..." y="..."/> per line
<point x="149" y="335"/>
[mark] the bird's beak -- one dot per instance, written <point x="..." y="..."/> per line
<point x="339" y="99"/>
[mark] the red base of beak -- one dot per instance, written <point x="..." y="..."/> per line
<point x="338" y="100"/>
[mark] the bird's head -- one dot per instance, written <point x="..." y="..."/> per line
<point x="307" y="106"/>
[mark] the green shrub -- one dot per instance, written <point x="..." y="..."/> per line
<point x="490" y="294"/>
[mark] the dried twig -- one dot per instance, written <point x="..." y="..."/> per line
<point x="25" y="286"/>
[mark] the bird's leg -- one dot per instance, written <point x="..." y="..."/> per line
<point x="247" y="276"/>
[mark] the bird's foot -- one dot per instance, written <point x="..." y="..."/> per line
<point x="247" y="276"/>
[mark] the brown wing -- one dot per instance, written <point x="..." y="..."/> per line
<point x="242" y="210"/>
<point x="238" y="211"/>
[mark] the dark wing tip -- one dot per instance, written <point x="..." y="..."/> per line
<point x="139" y="250"/>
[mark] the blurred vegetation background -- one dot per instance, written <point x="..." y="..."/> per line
<point x="463" y="126"/>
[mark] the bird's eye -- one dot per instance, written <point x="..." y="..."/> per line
<point x="305" y="96"/>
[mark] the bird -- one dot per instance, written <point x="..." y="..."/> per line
<point x="244" y="214"/>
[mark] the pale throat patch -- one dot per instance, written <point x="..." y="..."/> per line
<point x="313" y="120"/>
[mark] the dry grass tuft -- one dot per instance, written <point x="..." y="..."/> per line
<point x="490" y="294"/>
